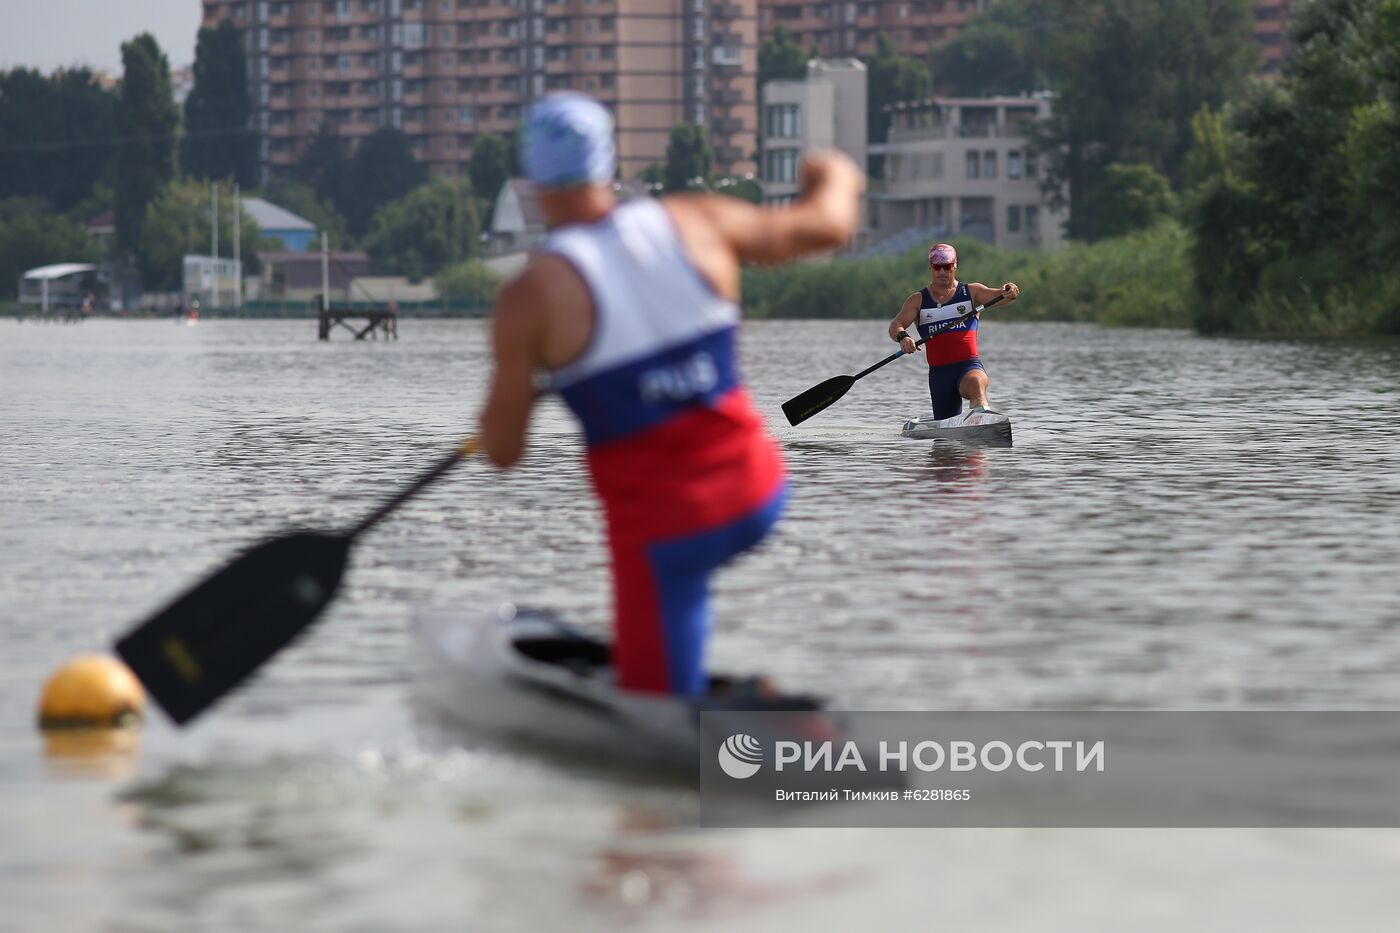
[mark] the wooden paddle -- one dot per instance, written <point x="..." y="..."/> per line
<point x="821" y="396"/>
<point x="212" y="637"/>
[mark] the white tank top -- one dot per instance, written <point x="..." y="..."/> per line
<point x="648" y="296"/>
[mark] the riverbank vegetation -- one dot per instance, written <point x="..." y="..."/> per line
<point x="1139" y="279"/>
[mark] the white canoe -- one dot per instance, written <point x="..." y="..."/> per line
<point x="982" y="426"/>
<point x="526" y="676"/>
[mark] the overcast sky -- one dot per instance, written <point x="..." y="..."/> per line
<point x="49" y="34"/>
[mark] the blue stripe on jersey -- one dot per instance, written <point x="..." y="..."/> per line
<point x="641" y="394"/>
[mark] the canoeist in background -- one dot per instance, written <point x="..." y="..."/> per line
<point x="632" y="310"/>
<point x="955" y="370"/>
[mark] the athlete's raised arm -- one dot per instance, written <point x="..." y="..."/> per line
<point x="719" y="232"/>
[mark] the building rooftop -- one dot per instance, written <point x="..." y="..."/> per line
<point x="58" y="270"/>
<point x="271" y="217"/>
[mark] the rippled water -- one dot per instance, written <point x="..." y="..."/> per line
<point x="1182" y="523"/>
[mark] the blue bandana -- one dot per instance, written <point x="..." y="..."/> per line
<point x="567" y="140"/>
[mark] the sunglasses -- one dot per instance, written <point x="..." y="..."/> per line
<point x="943" y="266"/>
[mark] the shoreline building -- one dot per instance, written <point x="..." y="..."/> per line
<point x="444" y="71"/>
<point x="965" y="167"/>
<point x="825" y="110"/>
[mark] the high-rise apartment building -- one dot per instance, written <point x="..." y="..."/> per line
<point x="849" y="27"/>
<point x="445" y="71"/>
<point x="1270" y="22"/>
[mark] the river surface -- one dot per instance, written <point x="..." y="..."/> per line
<point x="1183" y="523"/>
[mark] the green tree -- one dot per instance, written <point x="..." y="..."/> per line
<point x="55" y="135"/>
<point x="434" y="226"/>
<point x="1134" y="196"/>
<point x="1128" y="78"/>
<point x="690" y="162"/>
<point x="177" y="223"/>
<point x="890" y="79"/>
<point x="1309" y="170"/>
<point x="324" y="165"/>
<point x="490" y="165"/>
<point x="32" y="235"/>
<point x="781" y="58"/>
<point x="149" y="121"/>
<point x="383" y="169"/>
<point x="219" y="141"/>
<point x="469" y="279"/>
<point x="997" y="52"/>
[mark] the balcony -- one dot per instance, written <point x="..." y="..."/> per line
<point x="906" y="134"/>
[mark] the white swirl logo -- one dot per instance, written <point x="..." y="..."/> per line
<point x="740" y="756"/>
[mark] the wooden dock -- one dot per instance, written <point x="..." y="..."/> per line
<point x="377" y="321"/>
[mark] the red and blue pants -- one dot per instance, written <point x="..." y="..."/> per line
<point x="662" y="592"/>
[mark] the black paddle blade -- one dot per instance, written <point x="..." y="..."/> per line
<point x="801" y="407"/>
<point x="210" y="639"/>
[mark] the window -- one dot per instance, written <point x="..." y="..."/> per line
<point x="1033" y="220"/>
<point x="782" y="121"/>
<point x="1013" y="218"/>
<point x="1031" y="167"/>
<point x="464" y="114"/>
<point x="1013" y="165"/>
<point x="781" y="165"/>
<point x="974" y="164"/>
<point x="989" y="164"/>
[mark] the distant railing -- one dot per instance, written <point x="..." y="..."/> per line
<point x="901" y="134"/>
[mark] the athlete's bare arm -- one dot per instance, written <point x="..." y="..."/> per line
<point x="542" y="320"/>
<point x="981" y="294"/>
<point x="907" y="313"/>
<point x="516" y="327"/>
<point x="720" y="232"/>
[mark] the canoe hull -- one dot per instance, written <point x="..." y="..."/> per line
<point x="981" y="427"/>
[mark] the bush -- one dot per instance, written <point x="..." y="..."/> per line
<point x="1143" y="279"/>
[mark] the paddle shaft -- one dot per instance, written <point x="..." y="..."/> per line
<point x="933" y="333"/>
<point x="215" y="635"/>
<point x="423" y="482"/>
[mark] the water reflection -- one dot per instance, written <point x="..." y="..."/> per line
<point x="95" y="753"/>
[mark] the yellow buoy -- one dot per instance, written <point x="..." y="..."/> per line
<point x="92" y="692"/>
